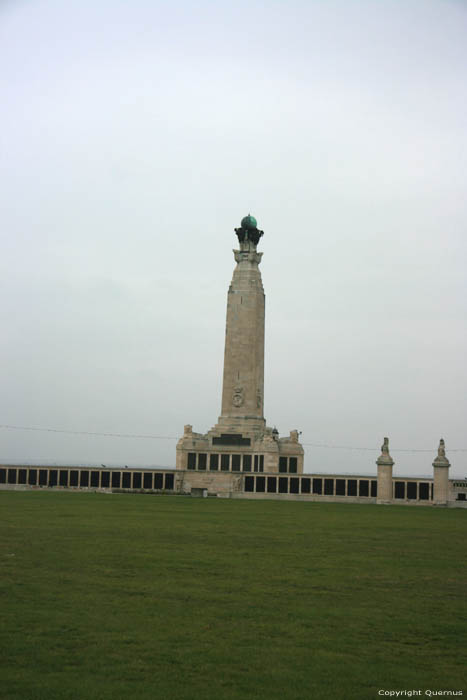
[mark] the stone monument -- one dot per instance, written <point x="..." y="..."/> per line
<point x="441" y="476"/>
<point x="241" y="441"/>
<point x="385" y="464"/>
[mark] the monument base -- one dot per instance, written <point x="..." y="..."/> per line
<point x="239" y="446"/>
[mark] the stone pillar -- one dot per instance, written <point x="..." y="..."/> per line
<point x="385" y="464"/>
<point x="243" y="380"/>
<point x="441" y="477"/>
<point x="241" y="428"/>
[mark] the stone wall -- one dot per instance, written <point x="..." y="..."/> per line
<point x="337" y="488"/>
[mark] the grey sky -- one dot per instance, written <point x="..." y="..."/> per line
<point x="135" y="136"/>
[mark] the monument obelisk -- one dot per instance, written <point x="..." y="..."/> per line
<point x="240" y="441"/>
<point x="243" y="383"/>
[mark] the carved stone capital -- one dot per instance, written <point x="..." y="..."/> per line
<point x="247" y="255"/>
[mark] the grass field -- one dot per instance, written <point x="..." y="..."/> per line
<point x="140" y="597"/>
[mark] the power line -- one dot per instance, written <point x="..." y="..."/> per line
<point x="373" y="449"/>
<point x="170" y="437"/>
<point x="87" y="432"/>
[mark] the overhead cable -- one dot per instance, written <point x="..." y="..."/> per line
<point x="171" y="437"/>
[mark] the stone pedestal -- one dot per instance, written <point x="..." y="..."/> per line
<point x="385" y="464"/>
<point x="441" y="477"/>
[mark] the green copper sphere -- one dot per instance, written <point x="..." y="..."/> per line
<point x="249" y="223"/>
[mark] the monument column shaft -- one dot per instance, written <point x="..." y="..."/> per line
<point x="243" y="383"/>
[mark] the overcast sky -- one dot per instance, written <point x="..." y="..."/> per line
<point x="136" y="135"/>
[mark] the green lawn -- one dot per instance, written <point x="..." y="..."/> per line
<point x="141" y="597"/>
